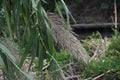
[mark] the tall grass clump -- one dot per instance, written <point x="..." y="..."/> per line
<point x="25" y="23"/>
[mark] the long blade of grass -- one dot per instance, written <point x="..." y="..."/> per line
<point x="2" y="64"/>
<point x="25" y="74"/>
<point x="41" y="58"/>
<point x="27" y="49"/>
<point x="7" y="53"/>
<point x="7" y="19"/>
<point x="49" y="36"/>
<point x="12" y="59"/>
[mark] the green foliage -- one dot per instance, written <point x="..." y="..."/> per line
<point x="7" y="58"/>
<point x="91" y="42"/>
<point x="62" y="56"/>
<point x="104" y="6"/>
<point x="59" y="5"/>
<point x="113" y="47"/>
<point x="25" y="23"/>
<point x="106" y="65"/>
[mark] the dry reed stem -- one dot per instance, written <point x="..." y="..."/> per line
<point x="115" y="9"/>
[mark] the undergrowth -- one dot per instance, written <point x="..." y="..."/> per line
<point x="91" y="42"/>
<point x="108" y="66"/>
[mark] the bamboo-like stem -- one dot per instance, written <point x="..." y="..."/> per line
<point x="115" y="9"/>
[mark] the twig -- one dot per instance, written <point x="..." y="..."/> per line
<point x="71" y="77"/>
<point x="112" y="19"/>
<point x="95" y="78"/>
<point x="73" y="18"/>
<point x="95" y="54"/>
<point x="102" y="47"/>
<point x="103" y="44"/>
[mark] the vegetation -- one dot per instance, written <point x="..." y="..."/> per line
<point x="25" y="25"/>
<point x="105" y="67"/>
<point x="28" y="49"/>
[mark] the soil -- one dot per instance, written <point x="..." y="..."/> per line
<point x="91" y="11"/>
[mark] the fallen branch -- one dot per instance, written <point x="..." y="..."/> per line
<point x="94" y="25"/>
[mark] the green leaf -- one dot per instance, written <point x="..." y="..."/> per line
<point x="7" y="52"/>
<point x="41" y="58"/>
<point x="2" y="64"/>
<point x="27" y="49"/>
<point x="7" y="20"/>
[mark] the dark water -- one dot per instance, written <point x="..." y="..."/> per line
<point x="84" y="33"/>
